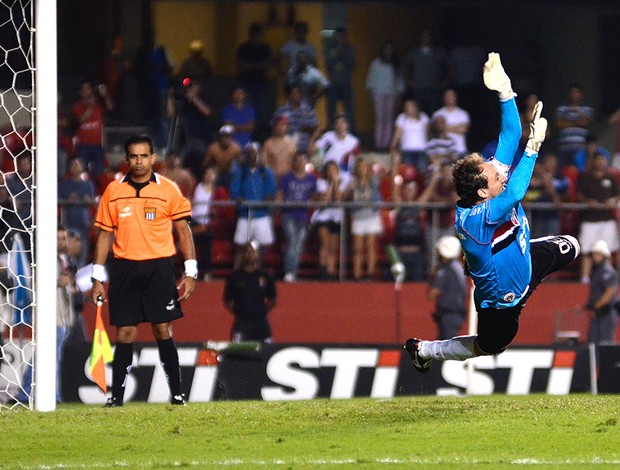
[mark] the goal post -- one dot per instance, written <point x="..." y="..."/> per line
<point x="45" y="106"/>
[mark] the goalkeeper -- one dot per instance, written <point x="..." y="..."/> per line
<point x="505" y="266"/>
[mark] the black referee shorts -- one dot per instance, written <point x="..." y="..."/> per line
<point x="143" y="291"/>
<point x="498" y="327"/>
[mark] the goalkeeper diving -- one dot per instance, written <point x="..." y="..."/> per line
<point x="504" y="264"/>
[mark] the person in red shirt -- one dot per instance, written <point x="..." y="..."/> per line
<point x="136" y="217"/>
<point x="89" y="112"/>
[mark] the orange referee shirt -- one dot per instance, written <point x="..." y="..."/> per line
<point x="142" y="220"/>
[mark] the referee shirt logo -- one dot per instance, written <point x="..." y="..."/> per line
<point x="149" y="213"/>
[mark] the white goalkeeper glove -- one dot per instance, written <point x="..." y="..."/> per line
<point x="538" y="129"/>
<point x="495" y="78"/>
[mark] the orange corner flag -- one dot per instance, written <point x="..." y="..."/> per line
<point x="101" y="352"/>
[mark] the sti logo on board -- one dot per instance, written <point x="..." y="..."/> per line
<point x="297" y="373"/>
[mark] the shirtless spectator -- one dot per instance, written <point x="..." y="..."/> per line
<point x="221" y="154"/>
<point x="173" y="170"/>
<point x="279" y="149"/>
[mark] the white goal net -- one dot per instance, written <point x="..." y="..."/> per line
<point x="23" y="336"/>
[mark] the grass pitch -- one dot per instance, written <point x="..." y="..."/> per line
<point x="579" y="431"/>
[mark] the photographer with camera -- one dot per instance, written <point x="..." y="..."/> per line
<point x="190" y="115"/>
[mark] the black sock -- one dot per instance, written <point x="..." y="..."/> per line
<point x="123" y="354"/>
<point x="169" y="358"/>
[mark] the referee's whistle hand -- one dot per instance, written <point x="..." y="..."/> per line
<point x="186" y="287"/>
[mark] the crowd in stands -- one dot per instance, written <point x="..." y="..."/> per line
<point x="428" y="111"/>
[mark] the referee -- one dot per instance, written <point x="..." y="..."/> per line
<point x="136" y="216"/>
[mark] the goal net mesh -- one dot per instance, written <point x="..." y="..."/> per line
<point x="17" y="166"/>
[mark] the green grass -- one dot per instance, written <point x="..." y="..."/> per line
<point x="487" y="432"/>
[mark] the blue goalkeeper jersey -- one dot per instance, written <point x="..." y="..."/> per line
<point x="495" y="235"/>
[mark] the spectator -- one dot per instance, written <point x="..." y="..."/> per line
<point x="112" y="72"/>
<point x="308" y="78"/>
<point x="279" y="149"/>
<point x="302" y="120"/>
<point x="340" y="63"/>
<point x="448" y="288"/>
<point x="201" y="218"/>
<point x="441" y="189"/>
<point x="240" y="115"/>
<point x="221" y="154"/>
<point x="457" y="120"/>
<point x="196" y="67"/>
<point x="547" y="185"/>
<point x="173" y="170"/>
<point x="79" y="192"/>
<point x="64" y="317"/>
<point x="440" y="146"/>
<point x="614" y="121"/>
<point x="76" y="333"/>
<point x="89" y="112"/>
<point x="425" y="72"/>
<point x="573" y="121"/>
<point x="598" y="188"/>
<point x="290" y="50"/>
<point x="410" y="136"/>
<point x="409" y="234"/>
<point x="584" y="156"/>
<point x="250" y="294"/>
<point x="384" y="84"/>
<point x="252" y="182"/>
<point x="365" y="220"/>
<point x="19" y="188"/>
<point x="295" y="186"/>
<point x="464" y="64"/>
<point x="327" y="220"/>
<point x="154" y="77"/>
<point x="603" y="297"/>
<point x="254" y="59"/>
<point x="189" y="108"/>
<point x="338" y="145"/>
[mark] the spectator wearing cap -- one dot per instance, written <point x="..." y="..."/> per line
<point x="303" y="123"/>
<point x="222" y="153"/>
<point x="279" y="149"/>
<point x="448" y="288"/>
<point x="603" y="298"/>
<point x="251" y="182"/>
<point x="240" y="115"/>
<point x="195" y="66"/>
<point x="585" y="155"/>
<point x="598" y="188"/>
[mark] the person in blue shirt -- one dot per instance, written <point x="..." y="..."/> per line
<point x="251" y="182"/>
<point x="505" y="266"/>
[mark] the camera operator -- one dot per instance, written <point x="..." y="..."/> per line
<point x="189" y="112"/>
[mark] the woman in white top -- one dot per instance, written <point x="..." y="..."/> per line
<point x="338" y="145"/>
<point x="327" y="220"/>
<point x="457" y="120"/>
<point x="384" y="85"/>
<point x="201" y="219"/>
<point x="410" y="136"/>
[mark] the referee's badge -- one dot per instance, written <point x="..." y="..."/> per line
<point x="150" y="213"/>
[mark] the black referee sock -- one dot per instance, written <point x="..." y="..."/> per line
<point x="123" y="354"/>
<point x="169" y="357"/>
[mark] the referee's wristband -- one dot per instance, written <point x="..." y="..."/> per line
<point x="98" y="273"/>
<point x="191" y="268"/>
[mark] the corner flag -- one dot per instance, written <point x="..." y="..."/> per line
<point x="101" y="352"/>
